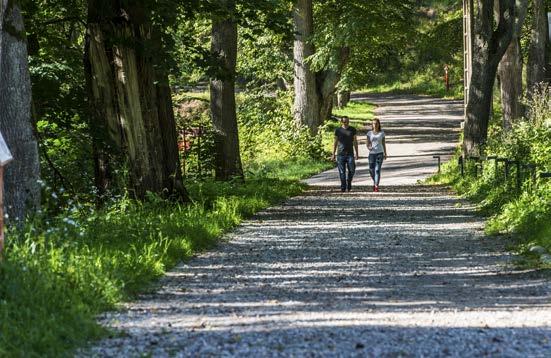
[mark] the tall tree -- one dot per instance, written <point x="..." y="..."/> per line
<point x="535" y="68"/>
<point x="222" y="92"/>
<point x="490" y="43"/>
<point x="306" y="104"/>
<point x="510" y="80"/>
<point x="131" y="109"/>
<point x="22" y="175"/>
<point x="325" y="48"/>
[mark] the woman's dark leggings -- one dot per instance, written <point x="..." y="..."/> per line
<point x="375" y="164"/>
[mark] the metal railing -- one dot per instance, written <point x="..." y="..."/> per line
<point x="508" y="164"/>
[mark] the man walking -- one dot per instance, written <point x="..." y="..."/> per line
<point x="345" y="145"/>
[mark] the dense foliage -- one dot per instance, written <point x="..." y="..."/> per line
<point x="417" y="64"/>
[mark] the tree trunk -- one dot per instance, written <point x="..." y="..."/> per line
<point x="172" y="180"/>
<point x="130" y="102"/>
<point x="306" y="108"/>
<point x="343" y="98"/>
<point x="222" y="95"/>
<point x="22" y="190"/>
<point x="489" y="46"/>
<point x="327" y="81"/>
<point x="478" y="107"/>
<point x="535" y="69"/>
<point x="510" y="79"/>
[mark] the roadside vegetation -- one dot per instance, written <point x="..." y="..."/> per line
<point x="518" y="209"/>
<point x="519" y="205"/>
<point x="65" y="266"/>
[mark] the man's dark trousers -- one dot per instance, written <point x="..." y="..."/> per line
<point x="344" y="162"/>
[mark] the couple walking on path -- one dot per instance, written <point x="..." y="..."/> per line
<point x="345" y="152"/>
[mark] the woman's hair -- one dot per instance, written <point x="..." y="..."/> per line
<point x="377" y="124"/>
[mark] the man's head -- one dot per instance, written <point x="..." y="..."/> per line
<point x="345" y="121"/>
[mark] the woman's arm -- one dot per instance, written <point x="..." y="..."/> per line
<point x="384" y="147"/>
<point x="368" y="142"/>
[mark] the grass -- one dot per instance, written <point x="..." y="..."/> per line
<point x="58" y="273"/>
<point x="422" y="83"/>
<point x="360" y="113"/>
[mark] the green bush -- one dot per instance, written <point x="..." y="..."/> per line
<point x="267" y="129"/>
<point x="437" y="42"/>
<point x="268" y="132"/>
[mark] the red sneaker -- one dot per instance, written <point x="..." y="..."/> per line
<point x="376" y="189"/>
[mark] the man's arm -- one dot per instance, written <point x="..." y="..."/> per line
<point x="356" y="147"/>
<point x="334" y="148"/>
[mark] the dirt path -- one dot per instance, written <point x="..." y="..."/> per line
<point x="405" y="272"/>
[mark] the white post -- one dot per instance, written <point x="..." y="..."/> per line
<point x="5" y="158"/>
<point x="1" y="210"/>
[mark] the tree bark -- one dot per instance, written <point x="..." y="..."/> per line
<point x="489" y="46"/>
<point x="326" y="82"/>
<point x="172" y="180"/>
<point x="130" y="101"/>
<point x="306" y="108"/>
<point x="222" y="95"/>
<point x="22" y="189"/>
<point x="343" y="98"/>
<point x="535" y="69"/>
<point x="510" y="79"/>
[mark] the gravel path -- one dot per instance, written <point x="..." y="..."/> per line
<point x="402" y="273"/>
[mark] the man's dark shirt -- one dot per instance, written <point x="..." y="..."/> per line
<point x="345" y="139"/>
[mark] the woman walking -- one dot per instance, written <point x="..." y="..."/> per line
<point x="377" y="152"/>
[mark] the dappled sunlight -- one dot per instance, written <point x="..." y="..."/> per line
<point x="397" y="260"/>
